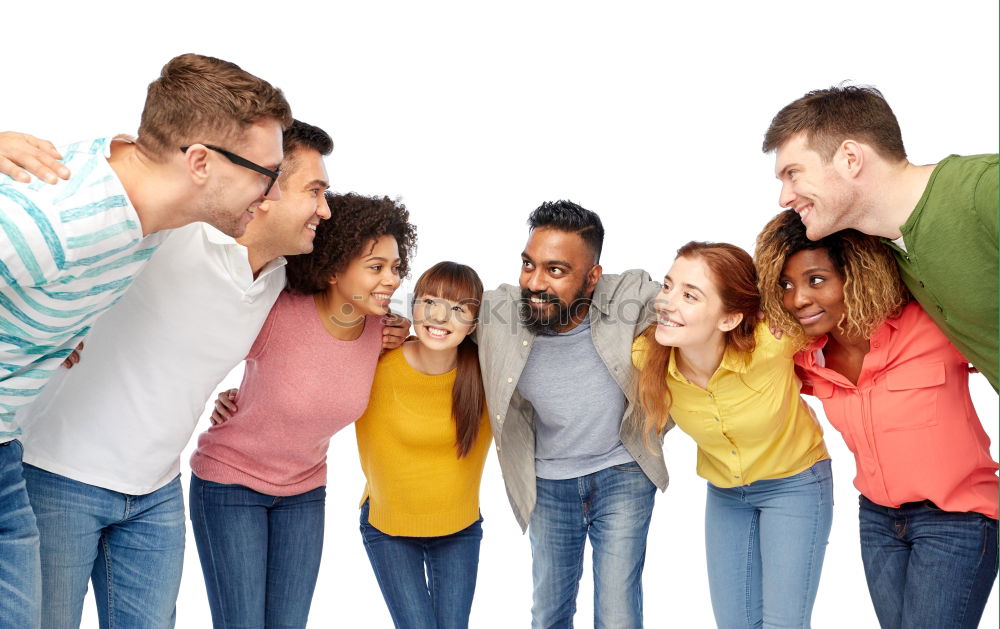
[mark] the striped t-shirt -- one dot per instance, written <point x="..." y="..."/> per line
<point x="67" y="253"/>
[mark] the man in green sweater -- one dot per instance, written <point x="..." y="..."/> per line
<point x="841" y="163"/>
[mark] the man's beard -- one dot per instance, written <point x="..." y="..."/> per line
<point x="550" y="324"/>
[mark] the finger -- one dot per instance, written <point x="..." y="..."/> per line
<point x="8" y="168"/>
<point x="74" y="357"/>
<point x="44" y="145"/>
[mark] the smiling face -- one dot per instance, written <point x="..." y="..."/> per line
<point x="288" y="226"/>
<point x="235" y="191"/>
<point x="824" y="200"/>
<point x="442" y="324"/>
<point x="813" y="291"/>
<point x="558" y="276"/>
<point x="366" y="286"/>
<point x="689" y="310"/>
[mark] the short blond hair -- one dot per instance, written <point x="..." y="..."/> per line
<point x="204" y="99"/>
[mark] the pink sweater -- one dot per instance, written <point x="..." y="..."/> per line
<point x="300" y="386"/>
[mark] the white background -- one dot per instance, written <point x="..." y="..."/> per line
<point x="650" y="114"/>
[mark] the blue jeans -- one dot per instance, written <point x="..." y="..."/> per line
<point x="613" y="507"/>
<point x="20" y="575"/>
<point x="927" y="568"/>
<point x="130" y="547"/>
<point x="427" y="582"/>
<point x="260" y="554"/>
<point x="765" y="544"/>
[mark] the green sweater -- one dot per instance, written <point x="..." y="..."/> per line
<point x="950" y="261"/>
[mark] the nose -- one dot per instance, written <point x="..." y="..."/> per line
<point x="390" y="277"/>
<point x="535" y="281"/>
<point x="323" y="209"/>
<point x="787" y="196"/>
<point x="438" y="312"/>
<point x="800" y="298"/>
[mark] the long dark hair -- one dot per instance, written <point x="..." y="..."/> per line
<point x="460" y="283"/>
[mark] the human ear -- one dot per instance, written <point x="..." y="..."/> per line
<point x="849" y="159"/>
<point x="196" y="163"/>
<point x="593" y="275"/>
<point x="730" y="321"/>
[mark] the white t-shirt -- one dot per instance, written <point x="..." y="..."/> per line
<point x="121" y="417"/>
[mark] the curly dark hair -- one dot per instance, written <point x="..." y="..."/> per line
<point x="873" y="290"/>
<point x="356" y="221"/>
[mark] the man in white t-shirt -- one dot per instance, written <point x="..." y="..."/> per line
<point x="102" y="443"/>
<point x="69" y="251"/>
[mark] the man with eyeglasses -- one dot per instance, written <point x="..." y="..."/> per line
<point x="71" y="250"/>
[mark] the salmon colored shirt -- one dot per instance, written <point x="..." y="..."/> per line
<point x="909" y="421"/>
<point x="750" y="423"/>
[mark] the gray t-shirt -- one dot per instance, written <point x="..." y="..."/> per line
<point x="578" y="406"/>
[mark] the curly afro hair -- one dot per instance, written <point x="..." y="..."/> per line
<point x="873" y="291"/>
<point x="355" y="222"/>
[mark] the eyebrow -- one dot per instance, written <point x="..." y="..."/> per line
<point x="666" y="278"/>
<point x="525" y="256"/>
<point x="785" y="169"/>
<point x="317" y="182"/>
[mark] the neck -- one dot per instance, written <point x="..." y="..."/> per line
<point x="837" y="341"/>
<point x="330" y="309"/>
<point x="700" y="363"/>
<point x="896" y="190"/>
<point x="429" y="361"/>
<point x="258" y="255"/>
<point x="578" y="316"/>
<point x="151" y="187"/>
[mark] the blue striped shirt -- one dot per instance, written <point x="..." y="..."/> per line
<point x="67" y="253"/>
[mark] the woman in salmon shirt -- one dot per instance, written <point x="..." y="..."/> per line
<point x="731" y="385"/>
<point x="898" y="392"/>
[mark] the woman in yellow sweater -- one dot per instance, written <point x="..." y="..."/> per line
<point x="423" y="442"/>
<point x="731" y="385"/>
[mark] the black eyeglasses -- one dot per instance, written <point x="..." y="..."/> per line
<point x="244" y="162"/>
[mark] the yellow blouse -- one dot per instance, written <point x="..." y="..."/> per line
<point x="750" y="423"/>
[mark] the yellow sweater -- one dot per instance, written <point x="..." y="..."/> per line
<point x="417" y="486"/>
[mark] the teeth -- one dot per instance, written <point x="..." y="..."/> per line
<point x="668" y="323"/>
<point x="538" y="300"/>
<point x="438" y="332"/>
<point x="311" y="226"/>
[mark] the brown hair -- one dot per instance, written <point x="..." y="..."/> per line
<point x="204" y="99"/>
<point x="460" y="283"/>
<point x="830" y="116"/>
<point x="355" y="222"/>
<point x="735" y="278"/>
<point x="873" y="290"/>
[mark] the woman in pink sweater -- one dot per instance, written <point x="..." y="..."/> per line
<point x="259" y="474"/>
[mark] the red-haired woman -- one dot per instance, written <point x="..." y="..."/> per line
<point x="726" y="381"/>
<point x="423" y="442"/>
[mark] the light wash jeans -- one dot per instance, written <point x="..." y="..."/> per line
<point x="130" y="547"/>
<point x="427" y="582"/>
<point x="260" y="554"/>
<point x="927" y="568"/>
<point x="765" y="544"/>
<point x="612" y="507"/>
<point x="20" y="575"/>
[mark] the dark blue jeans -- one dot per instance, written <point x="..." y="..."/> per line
<point x="260" y="554"/>
<point x="427" y="582"/>
<point x="927" y="568"/>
